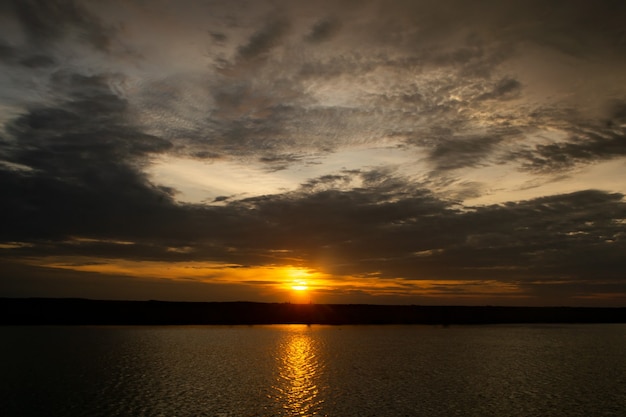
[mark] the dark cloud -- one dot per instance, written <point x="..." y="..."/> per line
<point x="279" y="162"/>
<point x="462" y="152"/>
<point x="38" y="61"/>
<point x="218" y="36"/>
<point x="12" y="56"/>
<point x="264" y="40"/>
<point x="83" y="159"/>
<point x="568" y="26"/>
<point x="573" y="27"/>
<point x="323" y="30"/>
<point x="328" y="182"/>
<point x="48" y="21"/>
<point x="7" y="52"/>
<point x="402" y="231"/>
<point x="587" y="142"/>
<point x="543" y="238"/>
<point x="504" y="89"/>
<point x="617" y="113"/>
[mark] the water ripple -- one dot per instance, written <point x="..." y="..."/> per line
<point x="288" y="371"/>
<point x="296" y="386"/>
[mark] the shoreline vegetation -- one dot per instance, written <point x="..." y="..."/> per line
<point x="77" y="311"/>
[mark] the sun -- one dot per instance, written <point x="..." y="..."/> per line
<point x="298" y="279"/>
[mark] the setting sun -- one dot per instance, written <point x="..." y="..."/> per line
<point x="300" y="286"/>
<point x="299" y="280"/>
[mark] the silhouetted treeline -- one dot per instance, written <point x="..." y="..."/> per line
<point x="100" y="312"/>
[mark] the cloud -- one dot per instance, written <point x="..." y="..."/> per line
<point x="48" y="21"/>
<point x="38" y="61"/>
<point x="462" y="152"/>
<point x="84" y="163"/>
<point x="6" y="52"/>
<point x="264" y="40"/>
<point x="586" y="142"/>
<point x="323" y="31"/>
<point x="506" y="88"/>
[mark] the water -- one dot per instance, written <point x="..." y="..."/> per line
<point x="294" y="370"/>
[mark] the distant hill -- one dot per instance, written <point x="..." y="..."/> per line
<point x="72" y="311"/>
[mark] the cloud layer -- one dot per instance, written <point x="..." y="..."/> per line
<point x="434" y="151"/>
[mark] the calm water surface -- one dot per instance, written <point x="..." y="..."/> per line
<point x="295" y="370"/>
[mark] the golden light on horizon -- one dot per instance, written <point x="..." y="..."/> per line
<point x="295" y="283"/>
<point x="300" y="286"/>
<point x="299" y="277"/>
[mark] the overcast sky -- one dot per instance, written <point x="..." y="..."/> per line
<point x="424" y="152"/>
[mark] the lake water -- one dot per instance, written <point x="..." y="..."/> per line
<point x="297" y="370"/>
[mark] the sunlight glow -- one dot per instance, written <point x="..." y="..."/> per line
<point x="293" y="283"/>
<point x="300" y="286"/>
<point x="299" y="278"/>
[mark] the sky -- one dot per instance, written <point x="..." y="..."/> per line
<point x="388" y="152"/>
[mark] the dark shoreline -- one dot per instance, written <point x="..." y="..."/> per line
<point x="74" y="311"/>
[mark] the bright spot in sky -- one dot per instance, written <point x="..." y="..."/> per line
<point x="298" y="278"/>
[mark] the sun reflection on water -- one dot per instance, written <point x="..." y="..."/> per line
<point x="297" y="383"/>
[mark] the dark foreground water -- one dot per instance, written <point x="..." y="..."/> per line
<point x="295" y="370"/>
